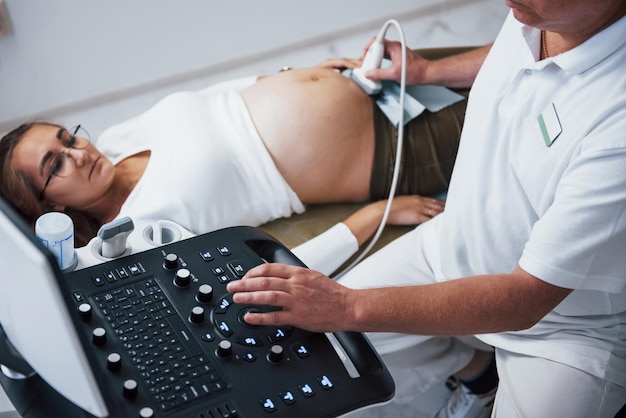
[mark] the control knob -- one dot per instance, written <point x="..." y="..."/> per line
<point x="224" y="349"/>
<point x="130" y="389"/>
<point x="197" y="315"/>
<point x="146" y="412"/>
<point x="114" y="362"/>
<point x="85" y="311"/>
<point x="276" y="354"/>
<point x="99" y="336"/>
<point x="183" y="278"/>
<point x="170" y="262"/>
<point x="205" y="293"/>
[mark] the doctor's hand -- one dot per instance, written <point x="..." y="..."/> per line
<point x="309" y="300"/>
<point x="416" y="65"/>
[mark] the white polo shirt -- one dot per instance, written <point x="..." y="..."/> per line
<point x="552" y="201"/>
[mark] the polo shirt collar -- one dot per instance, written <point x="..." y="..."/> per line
<point x="587" y="54"/>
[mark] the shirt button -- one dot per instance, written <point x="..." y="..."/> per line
<point x="528" y="72"/>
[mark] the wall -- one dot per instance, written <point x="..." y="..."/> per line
<point x="103" y="61"/>
<point x="100" y="62"/>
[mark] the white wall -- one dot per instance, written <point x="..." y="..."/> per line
<point x="104" y="61"/>
<point x="100" y="62"/>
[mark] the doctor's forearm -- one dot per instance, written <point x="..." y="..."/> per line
<point x="482" y="304"/>
<point x="457" y="71"/>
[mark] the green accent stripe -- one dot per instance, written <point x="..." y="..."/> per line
<point x="544" y="130"/>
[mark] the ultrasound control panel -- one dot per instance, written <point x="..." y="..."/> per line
<point x="165" y="339"/>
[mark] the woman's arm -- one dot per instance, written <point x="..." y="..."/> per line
<point x="338" y="64"/>
<point x="405" y="210"/>
<point x="329" y="250"/>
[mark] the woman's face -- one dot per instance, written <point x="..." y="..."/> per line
<point x="91" y="173"/>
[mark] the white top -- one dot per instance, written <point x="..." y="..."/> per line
<point x="329" y="250"/>
<point x="208" y="167"/>
<point x="558" y="211"/>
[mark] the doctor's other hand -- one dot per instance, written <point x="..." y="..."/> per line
<point x="309" y="300"/>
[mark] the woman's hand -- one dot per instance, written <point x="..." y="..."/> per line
<point x="405" y="210"/>
<point x="413" y="210"/>
<point x="338" y="64"/>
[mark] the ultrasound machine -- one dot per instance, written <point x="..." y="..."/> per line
<point x="153" y="333"/>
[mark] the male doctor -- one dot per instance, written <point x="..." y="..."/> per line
<point x="529" y="254"/>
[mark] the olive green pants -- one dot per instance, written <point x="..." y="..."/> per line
<point x="430" y="141"/>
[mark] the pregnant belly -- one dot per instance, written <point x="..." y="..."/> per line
<point x="317" y="125"/>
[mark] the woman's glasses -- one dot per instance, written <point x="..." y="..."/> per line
<point x="62" y="164"/>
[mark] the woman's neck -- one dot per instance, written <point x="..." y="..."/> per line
<point x="127" y="174"/>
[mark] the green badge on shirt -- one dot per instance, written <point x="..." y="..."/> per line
<point x="550" y="125"/>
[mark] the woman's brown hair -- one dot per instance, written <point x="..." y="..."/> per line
<point x="17" y="189"/>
